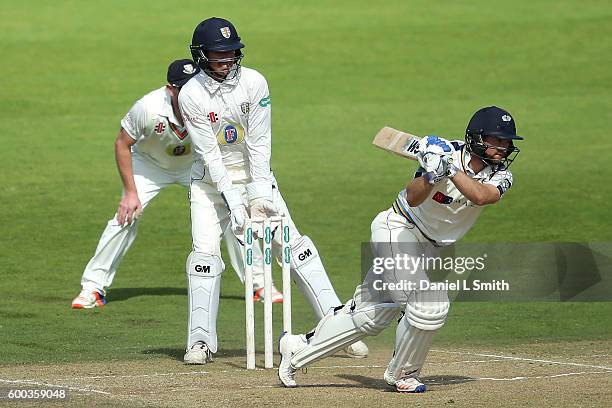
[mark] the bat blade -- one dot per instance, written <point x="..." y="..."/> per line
<point x="397" y="142"/>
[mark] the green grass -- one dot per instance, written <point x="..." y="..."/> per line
<point x="337" y="72"/>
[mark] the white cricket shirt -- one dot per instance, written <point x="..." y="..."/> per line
<point x="446" y="215"/>
<point x="230" y="126"/>
<point x="159" y="137"/>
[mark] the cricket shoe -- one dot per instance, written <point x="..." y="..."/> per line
<point x="259" y="295"/>
<point x="357" y="350"/>
<point x="198" y="354"/>
<point x="406" y="383"/>
<point x="288" y="345"/>
<point x="88" y="299"/>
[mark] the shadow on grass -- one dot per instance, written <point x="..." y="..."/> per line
<point x="380" y="384"/>
<point x="119" y="294"/>
<point x="178" y="353"/>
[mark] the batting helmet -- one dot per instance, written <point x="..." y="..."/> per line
<point x="492" y="121"/>
<point x="216" y="34"/>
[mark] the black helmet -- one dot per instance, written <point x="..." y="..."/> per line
<point x="491" y="121"/>
<point x="215" y="34"/>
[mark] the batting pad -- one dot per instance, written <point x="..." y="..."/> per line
<point x="426" y="312"/>
<point x="204" y="280"/>
<point x="310" y="276"/>
<point x="336" y="331"/>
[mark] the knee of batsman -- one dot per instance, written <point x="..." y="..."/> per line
<point x="375" y="319"/>
<point x="204" y="265"/>
<point x="427" y="316"/>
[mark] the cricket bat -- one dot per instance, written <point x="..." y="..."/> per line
<point x="397" y="142"/>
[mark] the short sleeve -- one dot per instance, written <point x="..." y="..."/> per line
<point x="135" y="121"/>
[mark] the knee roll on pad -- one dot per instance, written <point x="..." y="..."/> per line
<point x="428" y="310"/>
<point x="371" y="320"/>
<point x="303" y="251"/>
<point x="204" y="265"/>
<point x="311" y="277"/>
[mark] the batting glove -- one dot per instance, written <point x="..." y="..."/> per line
<point x="451" y="167"/>
<point x="435" y="144"/>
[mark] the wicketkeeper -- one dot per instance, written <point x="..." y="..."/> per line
<point x="227" y="110"/>
<point x="454" y="182"/>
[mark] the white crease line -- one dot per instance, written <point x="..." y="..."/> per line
<point x="99" y="377"/>
<point x="44" y="384"/>
<point x="542" y="376"/>
<point x="459" y="380"/>
<point x="524" y="359"/>
<point x="495" y="358"/>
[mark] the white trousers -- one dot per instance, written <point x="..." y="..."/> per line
<point x="116" y="239"/>
<point x="373" y="308"/>
<point x="209" y="220"/>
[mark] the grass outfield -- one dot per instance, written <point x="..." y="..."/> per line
<point x="337" y="73"/>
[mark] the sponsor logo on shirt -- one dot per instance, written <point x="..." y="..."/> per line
<point x="179" y="150"/>
<point x="195" y="119"/>
<point x="441" y="198"/>
<point x="265" y="101"/>
<point x="159" y="128"/>
<point x="230" y="134"/>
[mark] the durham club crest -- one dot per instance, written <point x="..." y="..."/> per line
<point x="245" y="107"/>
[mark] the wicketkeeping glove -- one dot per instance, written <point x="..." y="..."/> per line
<point x="238" y="214"/>
<point x="261" y="205"/>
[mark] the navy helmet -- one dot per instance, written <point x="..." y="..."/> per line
<point x="496" y="122"/>
<point x="220" y="35"/>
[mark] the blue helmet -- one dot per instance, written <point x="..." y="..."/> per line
<point x="496" y="122"/>
<point x="216" y="34"/>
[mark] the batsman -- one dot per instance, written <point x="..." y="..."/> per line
<point x="439" y="205"/>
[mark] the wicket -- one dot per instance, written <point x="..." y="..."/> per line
<point x="268" y="227"/>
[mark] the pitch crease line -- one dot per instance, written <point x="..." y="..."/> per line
<point x="524" y="359"/>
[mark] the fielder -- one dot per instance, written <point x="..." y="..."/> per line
<point x="227" y="111"/>
<point x="436" y="209"/>
<point x="153" y="151"/>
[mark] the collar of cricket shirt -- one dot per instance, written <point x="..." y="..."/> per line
<point x="167" y="110"/>
<point x="213" y="86"/>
